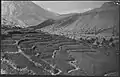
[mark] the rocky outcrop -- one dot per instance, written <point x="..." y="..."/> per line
<point x="25" y="13"/>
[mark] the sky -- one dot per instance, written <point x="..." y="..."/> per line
<point x="64" y="7"/>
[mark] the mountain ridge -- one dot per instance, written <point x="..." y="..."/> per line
<point x="89" y="22"/>
<point x="25" y="13"/>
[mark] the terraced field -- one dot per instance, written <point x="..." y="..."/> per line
<point x="38" y="53"/>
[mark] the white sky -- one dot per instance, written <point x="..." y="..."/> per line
<point x="63" y="7"/>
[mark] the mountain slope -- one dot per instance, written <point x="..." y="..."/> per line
<point x="56" y="20"/>
<point x="25" y="12"/>
<point x="90" y="22"/>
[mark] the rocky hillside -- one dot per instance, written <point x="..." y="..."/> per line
<point x="100" y="21"/>
<point x="25" y="13"/>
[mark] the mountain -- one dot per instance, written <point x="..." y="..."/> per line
<point x="25" y="13"/>
<point x="58" y="19"/>
<point x="103" y="20"/>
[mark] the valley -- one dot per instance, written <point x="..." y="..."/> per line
<point x="42" y="52"/>
<point x="75" y="44"/>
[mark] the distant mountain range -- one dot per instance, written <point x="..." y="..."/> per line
<point x="25" y="13"/>
<point x="100" y="21"/>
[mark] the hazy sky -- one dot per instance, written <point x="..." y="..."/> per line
<point x="63" y="7"/>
